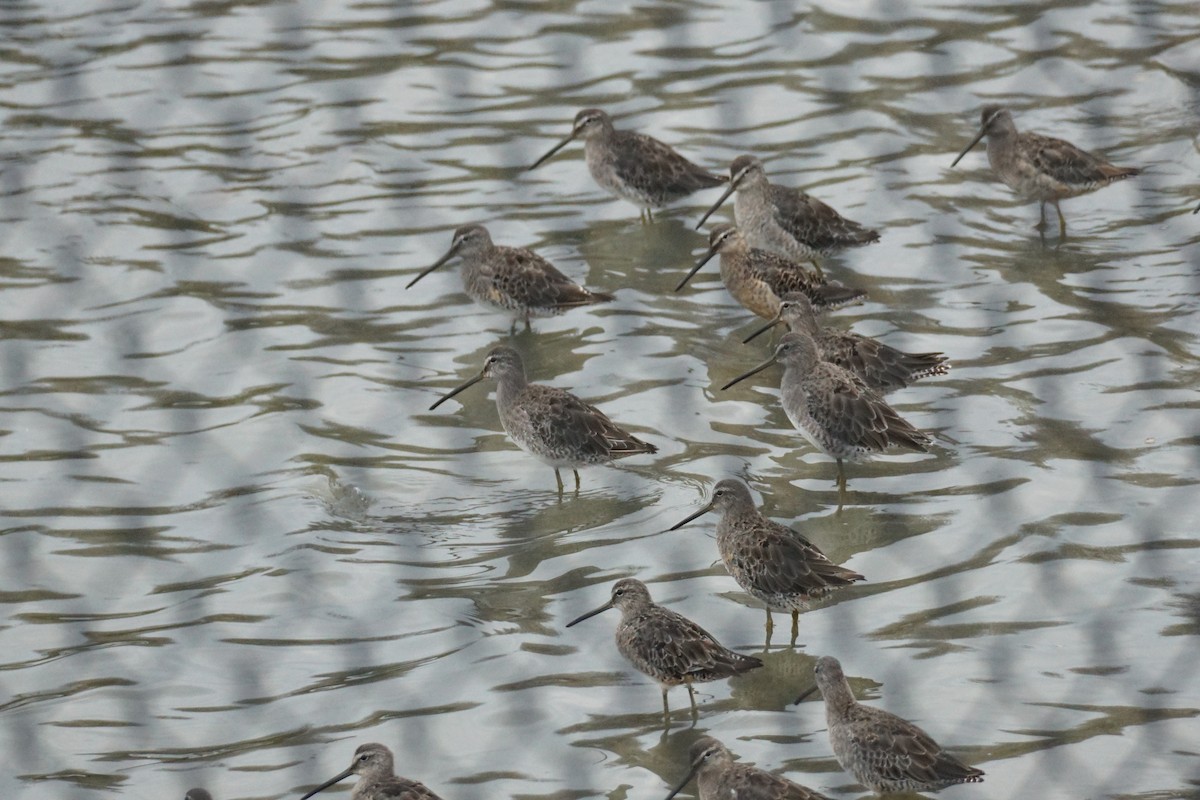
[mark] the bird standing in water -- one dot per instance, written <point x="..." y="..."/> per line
<point x="1040" y="167"/>
<point x="772" y="563"/>
<point x="634" y="166"/>
<point x="512" y="279"/>
<point x="785" y="220"/>
<point x="548" y="423"/>
<point x="833" y="408"/>
<point x="757" y="278"/>
<point x="665" y="645"/>
<point x="884" y="752"/>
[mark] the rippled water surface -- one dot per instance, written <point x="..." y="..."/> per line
<point x="237" y="544"/>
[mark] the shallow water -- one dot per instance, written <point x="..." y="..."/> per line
<point x="238" y="545"/>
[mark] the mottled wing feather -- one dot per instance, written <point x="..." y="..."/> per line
<point x="566" y="426"/>
<point x="900" y="756"/>
<point x="1068" y="164"/>
<point x="862" y="418"/>
<point x="816" y="224"/>
<point x="881" y="367"/>
<point x="673" y="649"/>
<point x="644" y="161"/>
<point x="779" y="561"/>
<point x="405" y="789"/>
<point x="784" y="275"/>
<point x="536" y="283"/>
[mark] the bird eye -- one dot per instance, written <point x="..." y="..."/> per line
<point x="618" y="592"/>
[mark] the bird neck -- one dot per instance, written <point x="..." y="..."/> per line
<point x="509" y="386"/>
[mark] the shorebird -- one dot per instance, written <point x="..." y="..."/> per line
<point x="512" y="279"/>
<point x="633" y="166"/>
<point x="884" y="752"/>
<point x="548" y="423"/>
<point x="667" y="646"/>
<point x="833" y="408"/>
<point x="1040" y="167"/>
<point x="719" y="777"/>
<point x="758" y="278"/>
<point x="377" y="779"/>
<point x="772" y="563"/>
<point x="784" y="220"/>
<point x="881" y="367"/>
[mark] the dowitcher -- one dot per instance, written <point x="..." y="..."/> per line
<point x="884" y="752"/>
<point x="512" y="279"/>
<point x="719" y="777"/>
<point x="633" y="166"/>
<point x="551" y="424"/>
<point x="784" y="220"/>
<point x="757" y="278"/>
<point x="667" y="646"/>
<point x="881" y="367"/>
<point x="197" y="794"/>
<point x="772" y="563"/>
<point x="377" y="779"/>
<point x="833" y="408"/>
<point x="1040" y="167"/>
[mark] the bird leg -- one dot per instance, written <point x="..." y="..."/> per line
<point x="558" y="478"/>
<point x="817" y="267"/>
<point x="1041" y="226"/>
<point x="841" y="483"/>
<point x="1062" y="222"/>
<point x="666" y="708"/>
<point x="692" y="697"/>
<point x="795" y="626"/>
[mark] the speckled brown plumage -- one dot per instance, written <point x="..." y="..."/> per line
<point x="377" y="779"/>
<point x="884" y="752"/>
<point x="881" y="367"/>
<point x="771" y="562"/>
<point x="757" y="278"/>
<point x="551" y="424"/>
<point x="1040" y="167"/>
<point x="633" y="166"/>
<point x="719" y="777"/>
<point x="512" y="279"/>
<point x="833" y="408"/>
<point x="785" y="220"/>
<point x="667" y="646"/>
